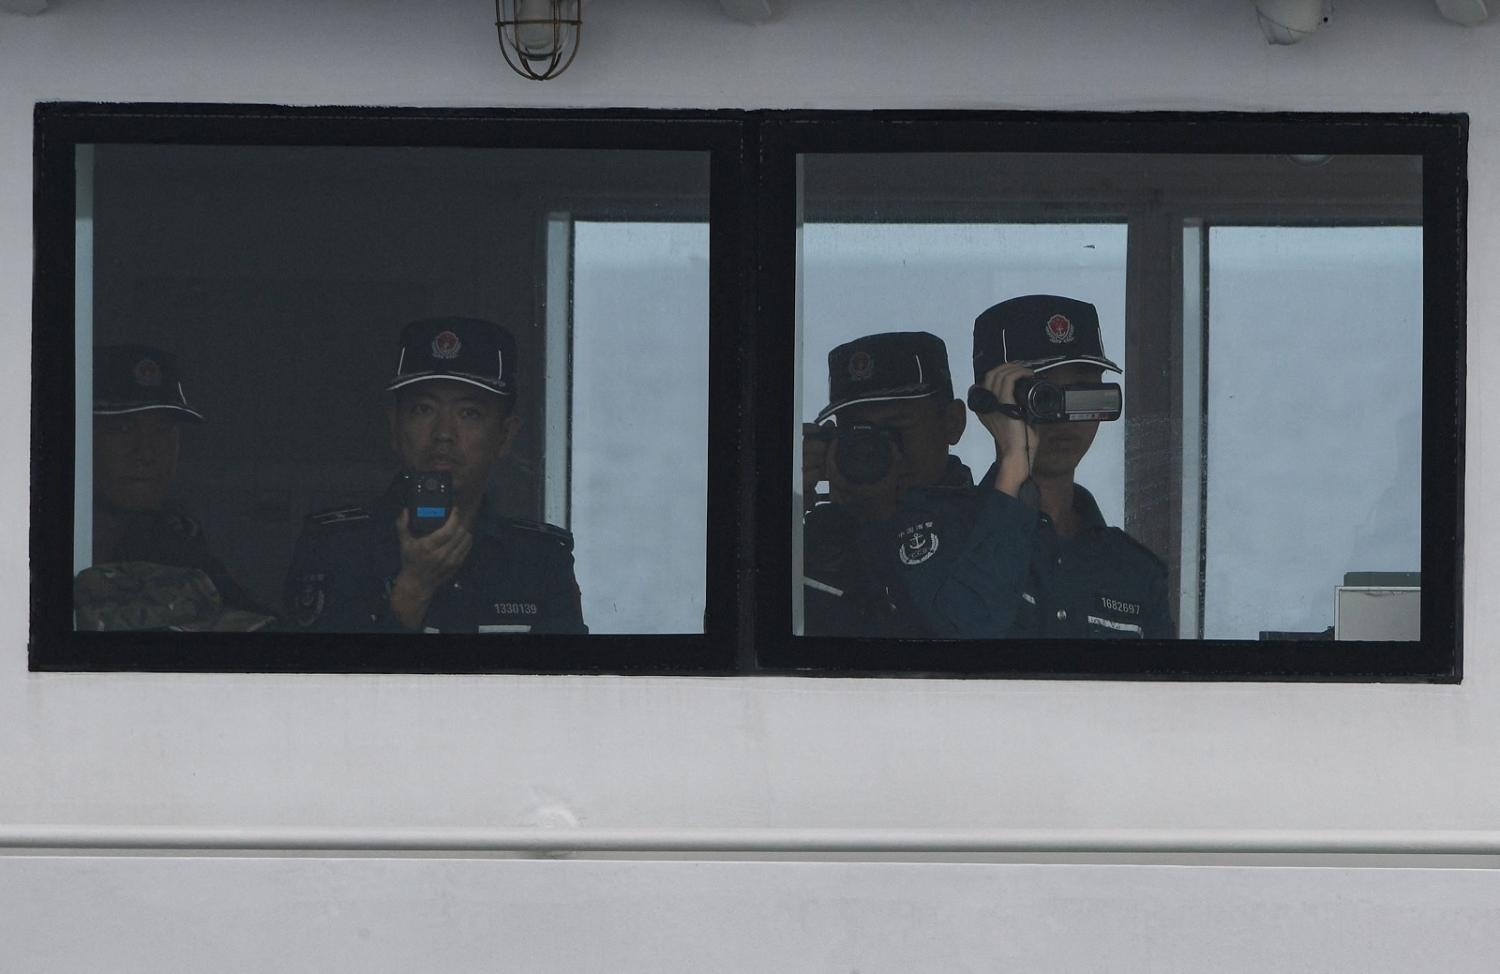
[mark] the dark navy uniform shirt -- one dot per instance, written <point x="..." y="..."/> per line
<point x="1013" y="576"/>
<point x="849" y="588"/>
<point x="518" y="576"/>
<point x="974" y="563"/>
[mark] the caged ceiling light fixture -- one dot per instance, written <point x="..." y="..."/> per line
<point x="1289" y="21"/>
<point x="538" y="38"/>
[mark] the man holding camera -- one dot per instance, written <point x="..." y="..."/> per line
<point x="882" y="444"/>
<point x="432" y="555"/>
<point x="1062" y="572"/>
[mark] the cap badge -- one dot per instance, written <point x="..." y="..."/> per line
<point x="1059" y="329"/>
<point x="147" y="372"/>
<point x="446" y="345"/>
<point x="861" y="365"/>
<point x="917" y="543"/>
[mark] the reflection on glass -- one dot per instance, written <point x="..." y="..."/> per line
<point x="1197" y="274"/>
<point x="1314" y="463"/>
<point x="407" y="418"/>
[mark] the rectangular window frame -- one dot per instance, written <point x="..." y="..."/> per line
<point x="1441" y="141"/>
<point x="62" y="128"/>
<point x="753" y="211"/>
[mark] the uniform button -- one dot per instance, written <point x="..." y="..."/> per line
<point x="1059" y="559"/>
<point x="457" y="587"/>
<point x="1062" y="615"/>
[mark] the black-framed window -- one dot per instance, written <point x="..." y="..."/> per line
<point x="675" y="282"/>
<point x="1288" y="466"/>
<point x="242" y="288"/>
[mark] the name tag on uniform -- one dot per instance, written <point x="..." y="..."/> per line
<point x="508" y="611"/>
<point x="1118" y="606"/>
<point x="1116" y="614"/>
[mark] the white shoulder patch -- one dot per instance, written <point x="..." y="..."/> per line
<point x="340" y="516"/>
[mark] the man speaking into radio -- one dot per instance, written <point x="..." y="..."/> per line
<point x="1063" y="573"/>
<point x="432" y="554"/>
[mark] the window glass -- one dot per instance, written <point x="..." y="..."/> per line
<point x="1218" y="429"/>
<point x="1314" y="462"/>
<point x="863" y="279"/>
<point x="640" y="408"/>
<point x="1177" y="378"/>
<point x="552" y="383"/>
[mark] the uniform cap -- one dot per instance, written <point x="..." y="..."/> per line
<point x="137" y="378"/>
<point x="470" y="350"/>
<point x="891" y="365"/>
<point x="1041" y="331"/>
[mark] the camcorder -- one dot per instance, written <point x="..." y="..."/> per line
<point x="1041" y="401"/>
<point x="429" y="499"/>
<point x="864" y="454"/>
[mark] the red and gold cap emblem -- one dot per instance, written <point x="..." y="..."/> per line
<point x="1059" y="329"/>
<point x="446" y="345"/>
<point x="147" y="372"/>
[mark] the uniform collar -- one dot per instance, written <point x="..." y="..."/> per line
<point x="1087" y="507"/>
<point x="1083" y="501"/>
<point x="489" y="520"/>
<point x="955" y="474"/>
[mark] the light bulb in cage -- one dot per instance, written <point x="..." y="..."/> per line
<point x="538" y="38"/>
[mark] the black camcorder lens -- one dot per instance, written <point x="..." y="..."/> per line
<point x="1041" y="400"/>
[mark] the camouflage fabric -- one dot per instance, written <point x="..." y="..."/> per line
<point x="146" y="595"/>
<point x="173" y="538"/>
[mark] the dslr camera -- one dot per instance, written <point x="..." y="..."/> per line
<point x="1041" y="401"/>
<point x="864" y="451"/>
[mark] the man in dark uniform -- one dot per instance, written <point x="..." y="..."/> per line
<point x="139" y="409"/>
<point x="882" y="444"/>
<point x="450" y="409"/>
<point x="1056" y="568"/>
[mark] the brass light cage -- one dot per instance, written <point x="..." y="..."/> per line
<point x="538" y="38"/>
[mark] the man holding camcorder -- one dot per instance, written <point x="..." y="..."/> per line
<point x="432" y="554"/>
<point x="1038" y="361"/>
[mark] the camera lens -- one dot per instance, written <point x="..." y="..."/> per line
<point x="864" y="455"/>
<point x="1041" y="400"/>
